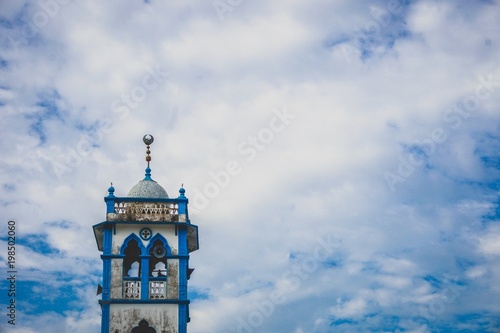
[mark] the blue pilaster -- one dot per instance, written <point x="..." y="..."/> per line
<point x="110" y="200"/>
<point x="182" y="202"/>
<point x="106" y="279"/>
<point x="144" y="277"/>
<point x="183" y="318"/>
<point x="183" y="262"/>
<point x="105" y="318"/>
<point x="106" y="262"/>
<point x="183" y="266"/>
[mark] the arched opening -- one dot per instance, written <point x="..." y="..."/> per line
<point x="131" y="268"/>
<point x="158" y="251"/>
<point x="158" y="260"/>
<point x="143" y="327"/>
<point x="132" y="260"/>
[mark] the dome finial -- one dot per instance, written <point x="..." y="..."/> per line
<point x="148" y="140"/>
<point x="111" y="191"/>
<point x="182" y="191"/>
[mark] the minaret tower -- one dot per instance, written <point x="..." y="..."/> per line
<point x="145" y="243"/>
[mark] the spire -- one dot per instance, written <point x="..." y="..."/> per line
<point x="147" y="188"/>
<point x="148" y="140"/>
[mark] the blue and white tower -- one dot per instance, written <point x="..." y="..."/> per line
<point x="145" y="242"/>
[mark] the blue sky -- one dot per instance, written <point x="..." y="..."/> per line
<point x="341" y="157"/>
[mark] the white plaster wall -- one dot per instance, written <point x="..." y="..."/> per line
<point x="116" y="278"/>
<point x="173" y="279"/>
<point x="124" y="230"/>
<point x="164" y="318"/>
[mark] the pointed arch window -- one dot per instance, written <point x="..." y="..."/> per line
<point x="132" y="260"/>
<point x="132" y="250"/>
<point x="158" y="260"/>
<point x="158" y="251"/>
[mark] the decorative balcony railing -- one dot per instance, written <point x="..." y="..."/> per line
<point x="145" y="211"/>
<point x="157" y="289"/>
<point x="132" y="289"/>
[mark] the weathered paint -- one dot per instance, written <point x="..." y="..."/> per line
<point x="173" y="279"/>
<point x="163" y="318"/>
<point x="145" y="211"/>
<point x="125" y="230"/>
<point x="116" y="278"/>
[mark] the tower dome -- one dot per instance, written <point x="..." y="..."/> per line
<point x="148" y="188"/>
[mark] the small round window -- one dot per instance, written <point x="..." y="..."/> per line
<point x="146" y="233"/>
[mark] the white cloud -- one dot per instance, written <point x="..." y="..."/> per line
<point x="362" y="100"/>
<point x="489" y="243"/>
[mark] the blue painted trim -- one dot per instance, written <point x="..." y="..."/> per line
<point x="128" y="239"/>
<point x="136" y="199"/>
<point x="110" y="204"/>
<point x="107" y="241"/>
<point x="182" y="239"/>
<point x="144" y="277"/>
<point x="112" y="224"/>
<point x="183" y="263"/>
<point x="105" y="318"/>
<point x="183" y="318"/>
<point x="162" y="239"/>
<point x="112" y="256"/>
<point x="106" y="279"/>
<point x="140" y="301"/>
<point x="173" y="256"/>
<point x="182" y="206"/>
<point x="183" y="266"/>
<point x="106" y="264"/>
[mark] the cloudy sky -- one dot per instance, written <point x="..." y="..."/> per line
<point x="342" y="158"/>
